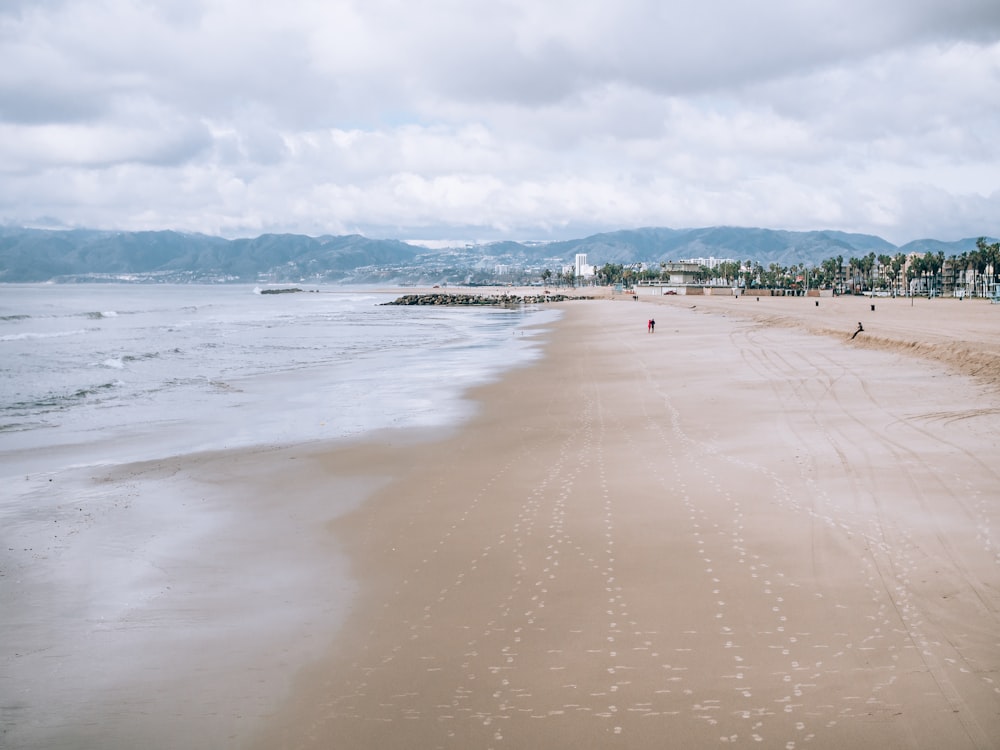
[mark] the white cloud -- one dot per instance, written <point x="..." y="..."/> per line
<point x="498" y="118"/>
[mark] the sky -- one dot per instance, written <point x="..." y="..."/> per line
<point x="475" y="120"/>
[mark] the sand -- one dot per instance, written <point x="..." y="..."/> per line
<point x="724" y="533"/>
<point x="744" y="529"/>
<point x="167" y="603"/>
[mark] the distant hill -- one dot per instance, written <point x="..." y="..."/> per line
<point x="28" y="255"/>
<point x="33" y="255"/>
<point x="765" y="246"/>
<point x="762" y="245"/>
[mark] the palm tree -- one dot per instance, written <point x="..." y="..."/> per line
<point x="959" y="263"/>
<point x="830" y="269"/>
<point x="898" y="263"/>
<point x="914" y="270"/>
<point x="979" y="259"/>
<point x="729" y="271"/>
<point x="990" y="259"/>
<point x="867" y="265"/>
<point x="933" y="263"/>
<point x="852" y="271"/>
<point x="883" y="268"/>
<point x="775" y="275"/>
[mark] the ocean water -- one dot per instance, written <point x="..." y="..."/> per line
<point x="141" y="607"/>
<point x="113" y="373"/>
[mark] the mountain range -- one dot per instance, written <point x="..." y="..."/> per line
<point x="39" y="255"/>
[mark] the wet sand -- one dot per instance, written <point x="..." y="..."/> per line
<point x="730" y="532"/>
<point x="167" y="603"/>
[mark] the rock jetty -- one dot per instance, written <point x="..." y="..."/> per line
<point x="478" y="299"/>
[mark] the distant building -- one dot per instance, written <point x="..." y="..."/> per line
<point x="711" y="262"/>
<point x="684" y="272"/>
<point x="581" y="267"/>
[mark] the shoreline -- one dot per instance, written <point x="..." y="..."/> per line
<point x="726" y="530"/>
<point x="148" y="578"/>
<point x="688" y="534"/>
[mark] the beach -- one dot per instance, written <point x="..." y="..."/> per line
<point x="724" y="533"/>
<point x="165" y="564"/>
<point x="743" y="529"/>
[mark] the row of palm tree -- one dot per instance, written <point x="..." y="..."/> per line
<point x="973" y="273"/>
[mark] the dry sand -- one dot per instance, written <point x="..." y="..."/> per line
<point x="725" y="533"/>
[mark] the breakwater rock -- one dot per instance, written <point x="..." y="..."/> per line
<point x="479" y="299"/>
<point x="280" y="291"/>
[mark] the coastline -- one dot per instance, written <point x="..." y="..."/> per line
<point x="164" y="578"/>
<point x="728" y="530"/>
<point x="722" y="533"/>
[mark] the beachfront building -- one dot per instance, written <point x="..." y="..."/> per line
<point x="682" y="273"/>
<point x="677" y="277"/>
<point x="580" y="270"/>
<point x="710" y="262"/>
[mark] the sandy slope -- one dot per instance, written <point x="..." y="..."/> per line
<point x="965" y="335"/>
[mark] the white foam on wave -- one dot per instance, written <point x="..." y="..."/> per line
<point x="237" y="374"/>
<point x="40" y="335"/>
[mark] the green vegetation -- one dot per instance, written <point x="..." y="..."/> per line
<point x="971" y="274"/>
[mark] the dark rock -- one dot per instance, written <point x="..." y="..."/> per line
<point x="438" y="298"/>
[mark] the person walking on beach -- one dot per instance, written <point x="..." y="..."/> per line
<point x="860" y="329"/>
<point x="651" y="326"/>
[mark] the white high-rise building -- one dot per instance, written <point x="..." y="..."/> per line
<point x="582" y="268"/>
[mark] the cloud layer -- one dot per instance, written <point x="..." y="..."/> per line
<point x="514" y="118"/>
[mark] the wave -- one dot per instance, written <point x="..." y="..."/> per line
<point x="21" y="426"/>
<point x="51" y="335"/>
<point x="59" y="401"/>
<point x="192" y="355"/>
<point x="95" y="390"/>
<point x="118" y="363"/>
<point x="92" y="315"/>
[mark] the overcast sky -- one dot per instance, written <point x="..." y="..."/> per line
<point x="518" y="119"/>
